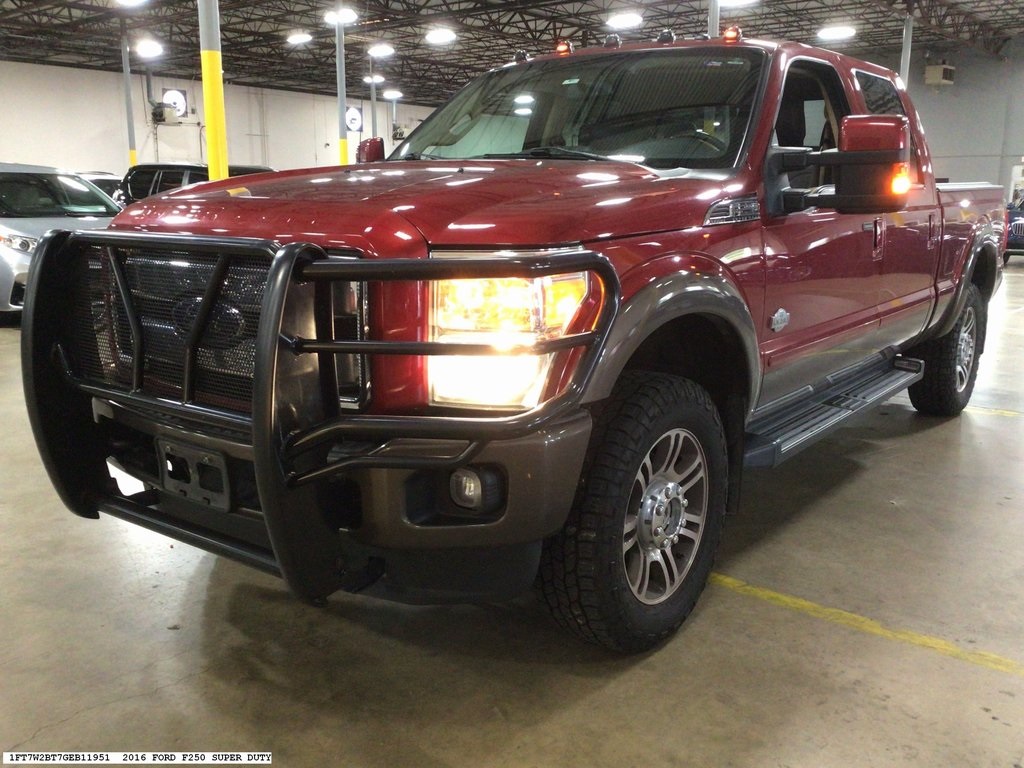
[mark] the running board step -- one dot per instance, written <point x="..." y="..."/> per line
<point x="777" y="436"/>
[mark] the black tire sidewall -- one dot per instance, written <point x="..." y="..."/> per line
<point x="637" y="619"/>
<point x="936" y="394"/>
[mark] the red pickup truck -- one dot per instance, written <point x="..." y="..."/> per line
<point x="538" y="344"/>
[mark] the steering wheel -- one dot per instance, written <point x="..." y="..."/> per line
<point x="702" y="137"/>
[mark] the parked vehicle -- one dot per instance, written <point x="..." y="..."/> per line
<point x="541" y="342"/>
<point x="108" y="183"/>
<point x="152" y="178"/>
<point x="1015" y="230"/>
<point x="34" y="199"/>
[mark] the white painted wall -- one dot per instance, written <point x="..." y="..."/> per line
<point x="75" y="119"/>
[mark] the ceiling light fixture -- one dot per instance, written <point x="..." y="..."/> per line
<point x="838" y="32"/>
<point x="391" y="95"/>
<point x="736" y="3"/>
<point x="380" y="50"/>
<point x="440" y="36"/>
<point x="148" y="48"/>
<point x="627" y="20"/>
<point x="341" y="16"/>
<point x="375" y="79"/>
<point x="298" y="38"/>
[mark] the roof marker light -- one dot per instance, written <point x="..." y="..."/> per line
<point x="562" y="47"/>
<point x="732" y="34"/>
<point x="666" y="36"/>
<point x="612" y="41"/>
<point x="521" y="56"/>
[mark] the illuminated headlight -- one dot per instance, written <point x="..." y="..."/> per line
<point x="19" y="243"/>
<point x="507" y="313"/>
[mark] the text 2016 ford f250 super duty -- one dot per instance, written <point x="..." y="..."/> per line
<point x="537" y="344"/>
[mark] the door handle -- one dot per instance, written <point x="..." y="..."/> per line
<point x="879" y="229"/>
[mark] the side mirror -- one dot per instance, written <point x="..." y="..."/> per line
<point x="370" y="150"/>
<point x="872" y="166"/>
<point x="873" y="175"/>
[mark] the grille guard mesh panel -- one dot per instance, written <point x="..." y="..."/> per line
<point x="166" y="289"/>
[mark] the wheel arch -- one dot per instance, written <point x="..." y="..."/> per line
<point x="985" y="269"/>
<point x="981" y="267"/>
<point x="697" y="327"/>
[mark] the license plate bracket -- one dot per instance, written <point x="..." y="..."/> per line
<point x="195" y="473"/>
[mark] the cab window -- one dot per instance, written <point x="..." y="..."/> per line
<point x="813" y="103"/>
<point x="882" y="98"/>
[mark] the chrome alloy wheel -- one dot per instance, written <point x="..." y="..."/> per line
<point x="965" y="347"/>
<point x="665" y="517"/>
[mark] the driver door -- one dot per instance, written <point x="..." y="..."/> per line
<point x="821" y="265"/>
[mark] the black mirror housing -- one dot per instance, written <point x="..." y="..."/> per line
<point x="871" y="165"/>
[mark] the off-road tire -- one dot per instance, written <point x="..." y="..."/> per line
<point x="583" y="573"/>
<point x="951" y="362"/>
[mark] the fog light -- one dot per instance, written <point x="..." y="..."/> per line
<point x="480" y="489"/>
<point x="466" y="488"/>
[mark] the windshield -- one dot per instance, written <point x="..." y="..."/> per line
<point x="26" y="195"/>
<point x="664" y="109"/>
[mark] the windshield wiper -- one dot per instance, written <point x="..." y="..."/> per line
<point x="558" y="153"/>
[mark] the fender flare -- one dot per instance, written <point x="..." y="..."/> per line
<point x="985" y="239"/>
<point x="668" y="298"/>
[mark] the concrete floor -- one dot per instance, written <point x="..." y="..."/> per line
<point x="881" y="625"/>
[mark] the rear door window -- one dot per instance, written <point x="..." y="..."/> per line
<point x="140" y="182"/>
<point x="170" y="180"/>
<point x="880" y="95"/>
<point x="882" y="98"/>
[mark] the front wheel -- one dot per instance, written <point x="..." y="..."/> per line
<point x="951" y="362"/>
<point x="639" y="544"/>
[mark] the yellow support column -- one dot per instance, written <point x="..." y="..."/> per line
<point x="213" y="89"/>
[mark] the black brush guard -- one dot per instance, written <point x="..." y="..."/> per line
<point x="292" y="427"/>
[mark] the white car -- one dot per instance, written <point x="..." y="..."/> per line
<point x="33" y="200"/>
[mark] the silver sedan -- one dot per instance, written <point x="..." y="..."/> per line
<point x="33" y="200"/>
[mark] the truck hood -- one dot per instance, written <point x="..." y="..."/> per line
<point x="448" y="203"/>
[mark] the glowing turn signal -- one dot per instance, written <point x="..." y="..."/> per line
<point x="900" y="182"/>
<point x="563" y="47"/>
<point x="732" y="34"/>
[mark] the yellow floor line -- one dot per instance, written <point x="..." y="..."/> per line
<point x="869" y="626"/>
<point x="993" y="411"/>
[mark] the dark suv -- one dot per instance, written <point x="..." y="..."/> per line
<point x="1015" y="233"/>
<point x="151" y="178"/>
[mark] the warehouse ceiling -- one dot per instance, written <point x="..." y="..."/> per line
<point x="86" y="34"/>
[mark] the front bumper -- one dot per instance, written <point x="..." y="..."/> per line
<point x="13" y="276"/>
<point x="1015" y="234"/>
<point x="323" y="497"/>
